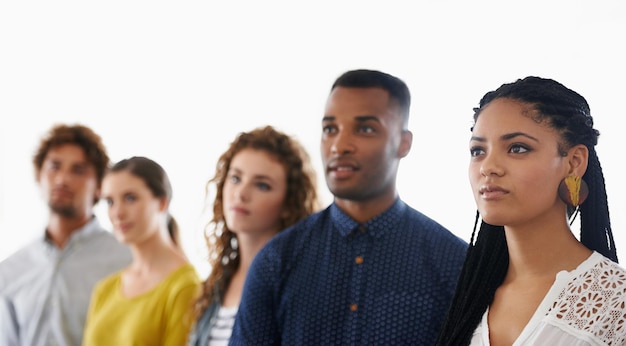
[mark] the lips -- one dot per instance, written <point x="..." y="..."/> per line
<point x="342" y="168"/>
<point x="490" y="192"/>
<point x="240" y="210"/>
<point x="61" y="192"/>
<point x="124" y="227"/>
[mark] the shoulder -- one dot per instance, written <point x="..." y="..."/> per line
<point x="297" y="233"/>
<point x="101" y="243"/>
<point x="104" y="238"/>
<point x="285" y="248"/>
<point x="107" y="285"/>
<point x="22" y="261"/>
<point x="432" y="230"/>
<point x="609" y="276"/>
<point x="442" y="251"/>
<point x="25" y="253"/>
<point x="189" y="274"/>
<point x="309" y="223"/>
<point x="184" y="276"/>
<point x="417" y="217"/>
<point x="29" y="251"/>
<point x="592" y="300"/>
<point x="180" y="289"/>
<point x="184" y="283"/>
<point x="601" y="273"/>
<point x="109" y="281"/>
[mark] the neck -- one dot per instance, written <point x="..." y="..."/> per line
<point x="249" y="246"/>
<point x="154" y="252"/>
<point x="542" y="250"/>
<point x="61" y="228"/>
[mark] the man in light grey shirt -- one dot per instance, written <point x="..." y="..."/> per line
<point x="45" y="287"/>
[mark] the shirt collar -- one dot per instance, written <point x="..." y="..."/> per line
<point x="377" y="226"/>
<point x="90" y="227"/>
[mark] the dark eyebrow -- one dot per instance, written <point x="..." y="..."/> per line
<point x="359" y="118"/>
<point x="507" y="137"/>
<point x="518" y="134"/>
<point x="363" y="118"/>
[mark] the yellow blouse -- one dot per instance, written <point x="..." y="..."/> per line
<point x="161" y="316"/>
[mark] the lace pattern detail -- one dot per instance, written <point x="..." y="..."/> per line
<point x="594" y="302"/>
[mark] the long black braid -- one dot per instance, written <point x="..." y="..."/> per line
<point x="487" y="259"/>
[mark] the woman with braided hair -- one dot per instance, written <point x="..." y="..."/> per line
<point x="527" y="279"/>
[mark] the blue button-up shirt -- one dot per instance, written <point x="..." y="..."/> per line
<point x="329" y="280"/>
<point x="45" y="291"/>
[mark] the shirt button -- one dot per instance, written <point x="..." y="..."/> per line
<point x="362" y="229"/>
<point x="354" y="307"/>
<point x="358" y="259"/>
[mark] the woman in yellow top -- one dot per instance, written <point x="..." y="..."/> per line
<point x="149" y="302"/>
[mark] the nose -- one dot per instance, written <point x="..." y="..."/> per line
<point x="116" y="211"/>
<point x="242" y="192"/>
<point x="61" y="177"/>
<point x="342" y="143"/>
<point x="491" y="166"/>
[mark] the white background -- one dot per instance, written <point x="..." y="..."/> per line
<point x="177" y="80"/>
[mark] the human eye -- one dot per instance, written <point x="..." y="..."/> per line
<point x="79" y="170"/>
<point x="53" y="166"/>
<point x="108" y="201"/>
<point x="364" y="128"/>
<point x="233" y="178"/>
<point x="329" y="129"/>
<point x="263" y="186"/>
<point x="476" y="151"/>
<point x="519" y="149"/>
<point x="129" y="197"/>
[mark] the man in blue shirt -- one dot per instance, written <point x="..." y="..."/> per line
<point x="368" y="269"/>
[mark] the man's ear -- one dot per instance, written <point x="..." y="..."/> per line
<point x="406" y="140"/>
<point x="578" y="160"/>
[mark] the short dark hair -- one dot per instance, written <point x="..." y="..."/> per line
<point x="362" y="78"/>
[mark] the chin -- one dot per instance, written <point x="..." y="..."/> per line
<point x="122" y="238"/>
<point x="494" y="220"/>
<point x="348" y="193"/>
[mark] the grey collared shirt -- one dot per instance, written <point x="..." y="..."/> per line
<point x="45" y="291"/>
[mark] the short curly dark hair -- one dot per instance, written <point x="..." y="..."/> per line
<point x="79" y="135"/>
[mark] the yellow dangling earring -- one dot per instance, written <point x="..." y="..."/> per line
<point x="573" y="190"/>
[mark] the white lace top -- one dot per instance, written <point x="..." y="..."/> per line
<point x="586" y="306"/>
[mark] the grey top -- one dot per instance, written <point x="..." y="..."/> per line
<point x="45" y="291"/>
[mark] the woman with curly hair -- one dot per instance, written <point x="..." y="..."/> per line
<point x="263" y="184"/>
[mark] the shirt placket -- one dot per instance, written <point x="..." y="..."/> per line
<point x="54" y="303"/>
<point x="358" y="258"/>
